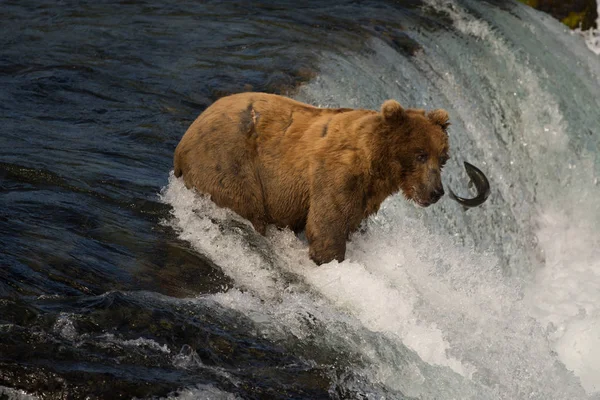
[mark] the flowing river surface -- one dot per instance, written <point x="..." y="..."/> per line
<point x="117" y="282"/>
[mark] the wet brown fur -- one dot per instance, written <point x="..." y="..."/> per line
<point x="274" y="160"/>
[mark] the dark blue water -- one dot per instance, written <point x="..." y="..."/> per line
<point x="117" y="282"/>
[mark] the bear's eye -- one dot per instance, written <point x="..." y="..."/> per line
<point x="422" y="157"/>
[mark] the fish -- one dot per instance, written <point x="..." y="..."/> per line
<point x="481" y="183"/>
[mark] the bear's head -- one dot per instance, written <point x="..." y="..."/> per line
<point x="417" y="149"/>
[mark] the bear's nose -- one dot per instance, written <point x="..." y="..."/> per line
<point x="439" y="192"/>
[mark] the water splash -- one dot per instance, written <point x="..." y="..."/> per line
<point x="187" y="358"/>
<point x="204" y="392"/>
<point x="592" y="35"/>
<point x="13" y="394"/>
<point x="454" y="308"/>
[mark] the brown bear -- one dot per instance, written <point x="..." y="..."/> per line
<point x="274" y="160"/>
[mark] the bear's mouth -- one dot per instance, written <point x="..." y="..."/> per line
<point x="413" y="196"/>
<point x="424" y="203"/>
<point x="421" y="203"/>
<point x="421" y="197"/>
<point x="424" y="199"/>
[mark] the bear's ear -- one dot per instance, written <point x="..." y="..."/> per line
<point x="392" y="111"/>
<point x="439" y="117"/>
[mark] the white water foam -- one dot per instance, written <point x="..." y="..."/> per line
<point x="65" y="328"/>
<point x="285" y="293"/>
<point x="187" y="358"/>
<point x="201" y="392"/>
<point x="139" y="342"/>
<point x="566" y="294"/>
<point x="13" y="394"/>
<point x="265" y="280"/>
<point x="453" y="307"/>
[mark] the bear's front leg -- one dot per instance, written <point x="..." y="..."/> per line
<point x="336" y="210"/>
<point x="327" y="240"/>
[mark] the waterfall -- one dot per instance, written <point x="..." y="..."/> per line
<point x="498" y="302"/>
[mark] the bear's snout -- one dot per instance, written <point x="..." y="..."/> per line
<point x="437" y="194"/>
<point x="430" y="197"/>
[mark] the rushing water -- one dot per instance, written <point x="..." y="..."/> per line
<point x="117" y="282"/>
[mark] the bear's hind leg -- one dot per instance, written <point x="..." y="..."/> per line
<point x="248" y="206"/>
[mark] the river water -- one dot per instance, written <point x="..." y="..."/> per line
<point x="117" y="282"/>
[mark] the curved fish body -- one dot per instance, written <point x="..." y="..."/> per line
<point x="481" y="183"/>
